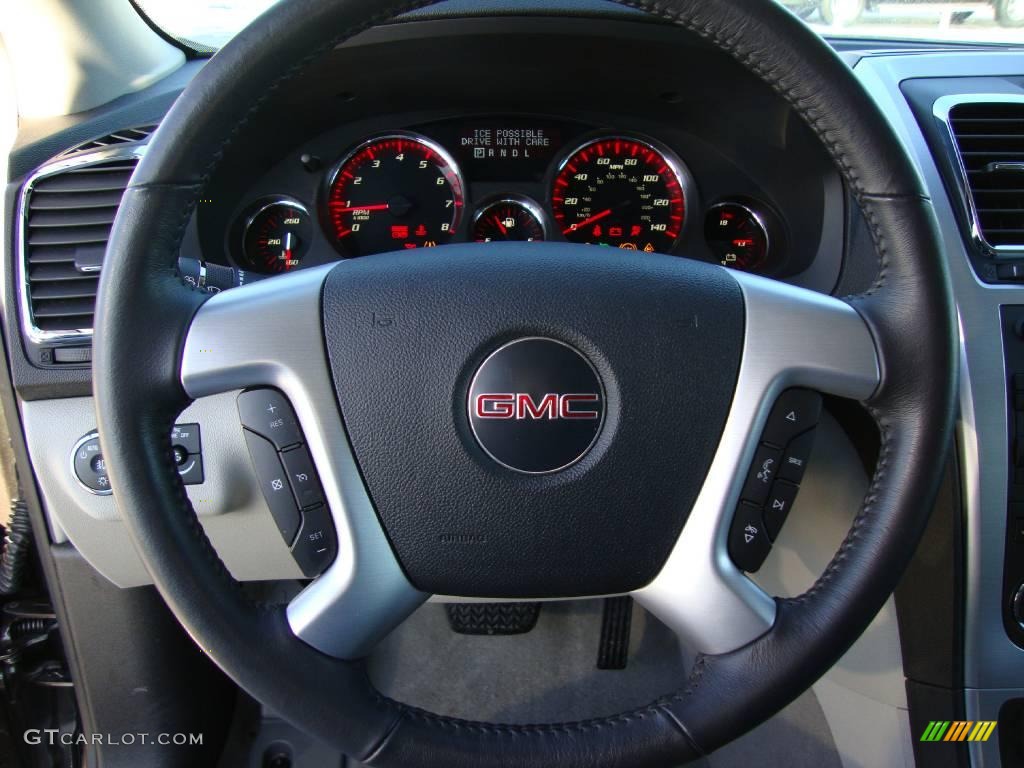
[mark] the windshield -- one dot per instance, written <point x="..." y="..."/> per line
<point x="213" y="22"/>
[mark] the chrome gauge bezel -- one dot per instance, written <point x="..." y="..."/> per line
<point x="331" y="177"/>
<point x="524" y="202"/>
<point x="762" y="224"/>
<point x="682" y="172"/>
<point x="261" y="206"/>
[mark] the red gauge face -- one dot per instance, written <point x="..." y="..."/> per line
<point x="620" y="192"/>
<point x="393" y="193"/>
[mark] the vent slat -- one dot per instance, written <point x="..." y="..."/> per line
<point x="55" y="272"/>
<point x="71" y="290"/>
<point x="985" y="134"/>
<point x="93" y="182"/>
<point x="75" y="201"/>
<point x="63" y="307"/>
<point x="81" y="217"/>
<point x="69" y="235"/>
<point x="69" y="216"/>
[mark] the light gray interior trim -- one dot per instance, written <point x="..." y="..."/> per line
<point x="793" y="337"/>
<point x="991" y="660"/>
<point x="271" y="334"/>
<point x="229" y="503"/>
<point x="985" y="705"/>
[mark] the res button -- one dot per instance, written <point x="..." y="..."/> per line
<point x="267" y="413"/>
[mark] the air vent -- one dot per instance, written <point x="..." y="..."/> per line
<point x="990" y="139"/>
<point x="67" y="217"/>
<point x="126" y="136"/>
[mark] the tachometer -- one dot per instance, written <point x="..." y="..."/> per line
<point x="621" y="192"/>
<point x="394" y="192"/>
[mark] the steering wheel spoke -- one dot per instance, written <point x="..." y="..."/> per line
<point x="793" y="338"/>
<point x="270" y="334"/>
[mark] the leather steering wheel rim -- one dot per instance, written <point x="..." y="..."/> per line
<point x="139" y="393"/>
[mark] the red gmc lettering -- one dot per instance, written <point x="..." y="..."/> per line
<point x="522" y="406"/>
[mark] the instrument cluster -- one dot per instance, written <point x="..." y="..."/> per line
<point x="493" y="180"/>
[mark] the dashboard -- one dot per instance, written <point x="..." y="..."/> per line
<point x="618" y="137"/>
<point x="494" y="178"/>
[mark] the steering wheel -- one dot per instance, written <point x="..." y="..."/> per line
<point x="631" y="481"/>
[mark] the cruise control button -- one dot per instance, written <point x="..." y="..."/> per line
<point x="302" y="476"/>
<point x="186" y="436"/>
<point x="266" y="412"/>
<point x="317" y="544"/>
<point x="794" y="460"/>
<point x="796" y="411"/>
<point x="762" y="474"/>
<point x="749" y="545"/>
<point x="274" y="484"/>
<point x="776" y="509"/>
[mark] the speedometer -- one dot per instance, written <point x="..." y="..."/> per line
<point x="394" y="192"/>
<point x="620" y="192"/>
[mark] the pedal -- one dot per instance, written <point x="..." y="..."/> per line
<point x="492" y="618"/>
<point x="613" y="650"/>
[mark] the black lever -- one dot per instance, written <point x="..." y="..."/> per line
<point x="214" y="278"/>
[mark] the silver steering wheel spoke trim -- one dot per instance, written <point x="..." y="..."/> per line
<point x="270" y="334"/>
<point x="793" y="338"/>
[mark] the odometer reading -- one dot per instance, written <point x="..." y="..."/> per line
<point x="395" y="192"/>
<point x="619" y="192"/>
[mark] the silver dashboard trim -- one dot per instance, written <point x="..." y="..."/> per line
<point x="991" y="660"/>
<point x="794" y="337"/>
<point x="942" y="109"/>
<point x="270" y="334"/>
<point x="28" y="326"/>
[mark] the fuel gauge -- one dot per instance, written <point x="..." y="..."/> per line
<point x="508" y="219"/>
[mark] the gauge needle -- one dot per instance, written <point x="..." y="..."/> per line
<point x="378" y="207"/>
<point x="287" y="255"/>
<point x="497" y="220"/>
<point x="591" y="220"/>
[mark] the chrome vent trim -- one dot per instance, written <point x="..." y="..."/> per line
<point x="73" y="214"/>
<point x="986" y="175"/>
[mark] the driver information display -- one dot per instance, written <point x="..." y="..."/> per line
<point x="501" y="149"/>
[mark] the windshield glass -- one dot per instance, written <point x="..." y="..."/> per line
<point x="212" y="22"/>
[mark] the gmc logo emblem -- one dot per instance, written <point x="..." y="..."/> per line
<point x="521" y="406"/>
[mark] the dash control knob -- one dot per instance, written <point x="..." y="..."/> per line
<point x="89" y="467"/>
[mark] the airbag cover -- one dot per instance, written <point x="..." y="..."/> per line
<point x="407" y="333"/>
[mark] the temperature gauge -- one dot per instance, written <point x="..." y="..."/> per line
<point x="508" y="220"/>
<point x="277" y="236"/>
<point x="742" y="235"/>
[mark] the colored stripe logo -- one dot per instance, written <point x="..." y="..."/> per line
<point x="958" y="730"/>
